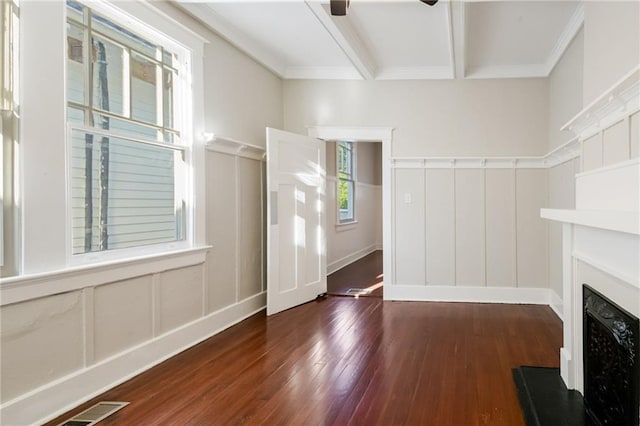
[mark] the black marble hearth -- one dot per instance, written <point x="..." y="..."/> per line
<point x="546" y="401"/>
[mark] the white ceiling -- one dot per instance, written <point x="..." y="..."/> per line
<point x="396" y="39"/>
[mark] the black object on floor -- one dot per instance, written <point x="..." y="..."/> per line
<point x="546" y="401"/>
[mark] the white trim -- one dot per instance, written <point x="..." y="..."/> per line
<point x="555" y="303"/>
<point x="416" y="73"/>
<point x="321" y="73"/>
<point x="627" y="280"/>
<point x="459" y="33"/>
<point x="49" y="401"/>
<point x="628" y="222"/>
<point x="508" y="71"/>
<point x="622" y="99"/>
<point x="26" y="287"/>
<point x="350" y="258"/>
<point x="565" y="152"/>
<point x="568" y="34"/>
<point x="384" y="135"/>
<point x="215" y="143"/>
<point x="620" y="165"/>
<point x="346" y="38"/>
<point x="451" y="293"/>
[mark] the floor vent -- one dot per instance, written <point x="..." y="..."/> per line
<point x="359" y="292"/>
<point x="94" y="414"/>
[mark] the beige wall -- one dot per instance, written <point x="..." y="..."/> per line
<point x="565" y="91"/>
<point x="430" y="118"/>
<point x="611" y="44"/>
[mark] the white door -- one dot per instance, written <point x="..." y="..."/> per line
<point x="296" y="237"/>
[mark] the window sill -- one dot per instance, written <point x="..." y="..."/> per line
<point x="346" y="226"/>
<point x="26" y="287"/>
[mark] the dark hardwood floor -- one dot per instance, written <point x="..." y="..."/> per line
<point x="343" y="361"/>
<point x="363" y="273"/>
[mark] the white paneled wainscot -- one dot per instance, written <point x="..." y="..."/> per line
<point x="601" y="236"/>
<point x="469" y="229"/>
<point x="70" y="335"/>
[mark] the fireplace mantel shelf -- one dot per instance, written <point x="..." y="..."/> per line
<point x="628" y="222"/>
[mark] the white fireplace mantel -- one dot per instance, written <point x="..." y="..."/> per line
<point x="628" y="222"/>
<point x="608" y="242"/>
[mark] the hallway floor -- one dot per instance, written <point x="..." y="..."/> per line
<point x="363" y="273"/>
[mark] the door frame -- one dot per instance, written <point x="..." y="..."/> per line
<point x="371" y="134"/>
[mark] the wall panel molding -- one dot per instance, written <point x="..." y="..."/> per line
<point x="49" y="401"/>
<point x="563" y="153"/>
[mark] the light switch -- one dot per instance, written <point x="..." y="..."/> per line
<point x="407" y="198"/>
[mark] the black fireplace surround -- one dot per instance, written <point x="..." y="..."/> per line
<point x="611" y="365"/>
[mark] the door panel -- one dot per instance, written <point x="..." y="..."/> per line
<point x="296" y="247"/>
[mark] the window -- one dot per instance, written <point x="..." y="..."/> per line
<point x="128" y="150"/>
<point x="9" y="116"/>
<point x="346" y="177"/>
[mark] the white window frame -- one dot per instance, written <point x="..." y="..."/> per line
<point x="183" y="103"/>
<point x="352" y="179"/>
<point x="9" y="119"/>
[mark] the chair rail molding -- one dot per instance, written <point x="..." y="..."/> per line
<point x="614" y="105"/>
<point x="231" y="146"/>
<point x="565" y="152"/>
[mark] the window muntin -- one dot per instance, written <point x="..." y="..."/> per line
<point x="128" y="171"/>
<point x="346" y="181"/>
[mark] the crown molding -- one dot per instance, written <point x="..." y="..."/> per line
<point x="507" y="71"/>
<point x="416" y="73"/>
<point x="568" y="34"/>
<point x="322" y="73"/>
<point x="615" y="104"/>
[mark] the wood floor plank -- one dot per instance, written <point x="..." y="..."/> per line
<point x="349" y="361"/>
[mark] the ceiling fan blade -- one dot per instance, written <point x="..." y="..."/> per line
<point x="429" y="2"/>
<point x="339" y="7"/>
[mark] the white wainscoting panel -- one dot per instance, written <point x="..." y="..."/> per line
<point x="615" y="143"/>
<point x="501" y="227"/>
<point x="470" y="227"/>
<point x="592" y="153"/>
<point x="180" y="295"/>
<point x="531" y="196"/>
<point x="112" y="330"/>
<point x="221" y="174"/>
<point x="409" y="222"/>
<point x="440" y="227"/>
<point x="52" y="326"/>
<point x="250" y="230"/>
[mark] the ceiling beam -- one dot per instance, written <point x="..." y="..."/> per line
<point x="347" y="39"/>
<point x="457" y="22"/>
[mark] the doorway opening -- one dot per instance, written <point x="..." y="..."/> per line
<point x="382" y="137"/>
<point x="354" y="218"/>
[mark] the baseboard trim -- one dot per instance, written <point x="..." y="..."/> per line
<point x="44" y="404"/>
<point x="535" y="296"/>
<point x="349" y="259"/>
<point x="555" y="302"/>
